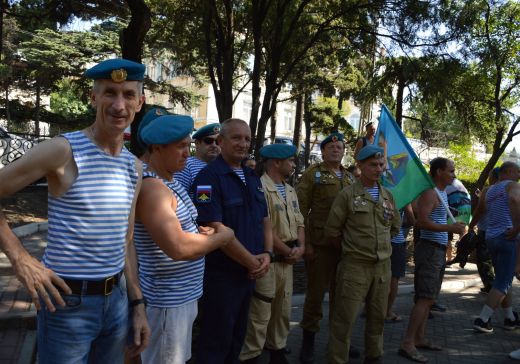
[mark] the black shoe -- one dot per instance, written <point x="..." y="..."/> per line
<point x="353" y="352"/>
<point x="481" y="326"/>
<point x="278" y="357"/>
<point x="512" y="324"/>
<point x="437" y="307"/>
<point x="307" y="351"/>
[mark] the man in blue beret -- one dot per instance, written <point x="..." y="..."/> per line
<point x="170" y="245"/>
<point x="361" y="222"/>
<point x="93" y="185"/>
<point x="226" y="193"/>
<point x="271" y="303"/>
<point x="206" y="151"/>
<point x="318" y="187"/>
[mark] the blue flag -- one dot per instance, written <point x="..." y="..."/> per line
<point x="405" y="175"/>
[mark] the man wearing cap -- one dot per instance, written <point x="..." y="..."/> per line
<point x="362" y="220"/>
<point x="318" y="187"/>
<point x="93" y="185"/>
<point x="370" y="131"/>
<point x="226" y="193"/>
<point x="170" y="246"/>
<point x="206" y="150"/>
<point x="271" y="303"/>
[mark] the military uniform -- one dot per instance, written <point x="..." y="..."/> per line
<point x="366" y="226"/>
<point x="271" y="304"/>
<point x="316" y="192"/>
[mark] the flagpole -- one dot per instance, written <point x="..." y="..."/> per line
<point x="446" y="207"/>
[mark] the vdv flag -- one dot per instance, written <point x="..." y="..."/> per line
<point x="405" y="175"/>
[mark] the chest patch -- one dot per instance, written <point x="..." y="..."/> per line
<point x="203" y="194"/>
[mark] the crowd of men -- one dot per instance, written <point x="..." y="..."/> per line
<point x="138" y="249"/>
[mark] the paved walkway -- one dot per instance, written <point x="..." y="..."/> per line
<point x="452" y="329"/>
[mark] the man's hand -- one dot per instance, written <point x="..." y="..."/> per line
<point x="40" y="282"/>
<point x="511" y="233"/>
<point x="264" y="259"/>
<point x="309" y="255"/>
<point x="295" y="255"/>
<point x="141" y="331"/>
<point x="458" y="228"/>
<point x="206" y="230"/>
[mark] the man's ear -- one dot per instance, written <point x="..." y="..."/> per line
<point x="141" y="103"/>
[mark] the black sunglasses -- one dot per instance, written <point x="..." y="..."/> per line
<point x="209" y="141"/>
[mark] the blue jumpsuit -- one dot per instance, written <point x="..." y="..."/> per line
<point x="221" y="196"/>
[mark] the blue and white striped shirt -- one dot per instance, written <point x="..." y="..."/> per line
<point x="240" y="173"/>
<point x="281" y="189"/>
<point x="88" y="224"/>
<point x="498" y="212"/>
<point x="166" y="282"/>
<point x="374" y="192"/>
<point x="190" y="171"/>
<point x="439" y="216"/>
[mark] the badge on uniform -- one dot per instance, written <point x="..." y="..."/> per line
<point x="317" y="177"/>
<point x="203" y="194"/>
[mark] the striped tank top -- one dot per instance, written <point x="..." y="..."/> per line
<point x="165" y="282"/>
<point x="400" y="238"/>
<point x="497" y="207"/>
<point x="190" y="171"/>
<point x="439" y="216"/>
<point x="88" y="224"/>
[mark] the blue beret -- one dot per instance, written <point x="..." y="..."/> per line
<point x="117" y="70"/>
<point x="278" y="151"/>
<point x="150" y="115"/>
<point x="167" y="129"/>
<point x="207" y="130"/>
<point x="368" y="151"/>
<point x="332" y="138"/>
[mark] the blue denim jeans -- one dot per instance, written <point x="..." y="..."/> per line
<point x="503" y="255"/>
<point x="90" y="329"/>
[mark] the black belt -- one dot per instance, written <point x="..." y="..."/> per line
<point x="102" y="287"/>
<point x="280" y="258"/>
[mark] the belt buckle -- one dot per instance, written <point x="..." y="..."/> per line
<point x="111" y="279"/>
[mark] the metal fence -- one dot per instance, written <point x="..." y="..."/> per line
<point x="15" y="145"/>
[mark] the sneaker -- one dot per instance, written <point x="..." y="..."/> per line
<point x="515" y="354"/>
<point x="482" y="326"/>
<point x="512" y="324"/>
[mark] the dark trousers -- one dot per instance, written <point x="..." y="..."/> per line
<point x="484" y="263"/>
<point x="224" y="315"/>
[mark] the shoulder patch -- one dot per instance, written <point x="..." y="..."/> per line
<point x="203" y="194"/>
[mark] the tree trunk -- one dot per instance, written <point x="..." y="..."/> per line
<point x="399" y="100"/>
<point x="7" y="110"/>
<point x="298" y="121"/>
<point x="132" y="41"/>
<point x="273" y="124"/>
<point x="37" y="112"/>
<point x="307" y="120"/>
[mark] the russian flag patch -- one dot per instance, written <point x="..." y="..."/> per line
<point x="203" y="194"/>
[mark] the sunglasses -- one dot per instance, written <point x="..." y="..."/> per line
<point x="209" y="141"/>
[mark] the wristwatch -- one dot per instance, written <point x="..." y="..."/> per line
<point x="136" y="302"/>
<point x="271" y="255"/>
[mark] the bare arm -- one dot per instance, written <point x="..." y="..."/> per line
<point x="51" y="159"/>
<point x="513" y="190"/>
<point x="236" y="251"/>
<point x="357" y="148"/>
<point x="479" y="210"/>
<point x="156" y="210"/>
<point x="428" y="201"/>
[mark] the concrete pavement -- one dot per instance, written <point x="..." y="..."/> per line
<point x="452" y="329"/>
